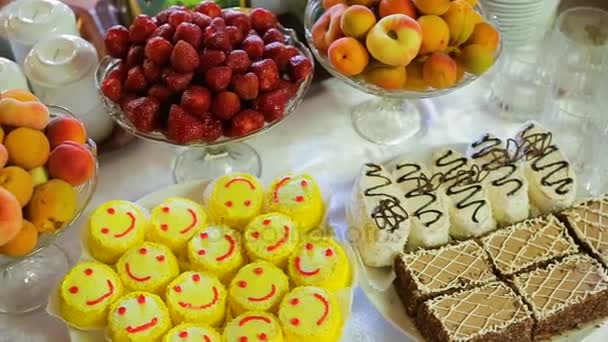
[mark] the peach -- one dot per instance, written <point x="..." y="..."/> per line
<point x="23" y="243"/>
<point x="461" y="21"/>
<point x="39" y="175"/>
<point x="19" y="182"/>
<point x="19" y="94"/>
<point x="27" y="148"/>
<point x="11" y="217"/>
<point x="415" y="80"/>
<point x="65" y="128"/>
<point x="348" y="56"/>
<point x="72" y="163"/>
<point x="384" y="76"/>
<point x="53" y="205"/>
<point x="388" y="7"/>
<point x="395" y="40"/>
<point x="436" y="7"/>
<point x="327" y="28"/>
<point x="3" y="156"/>
<point x="435" y="34"/>
<point x="440" y="71"/>
<point x="29" y="114"/>
<point x="327" y="4"/>
<point x="476" y="58"/>
<point x="484" y="34"/>
<point x="356" y="21"/>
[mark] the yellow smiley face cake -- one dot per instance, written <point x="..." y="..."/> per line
<point x="175" y="221"/>
<point x="299" y="197"/>
<point x="196" y="297"/>
<point x="147" y="267"/>
<point x="190" y="332"/>
<point x="235" y="199"/>
<point x="216" y="250"/>
<point x="310" y="313"/>
<point x="271" y="237"/>
<point x="320" y="262"/>
<point x="253" y="326"/>
<point x="86" y="293"/>
<point x="258" y="286"/>
<point x="138" y="316"/>
<point x="114" y="227"/>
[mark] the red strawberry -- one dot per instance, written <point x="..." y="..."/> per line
<point x="273" y="35"/>
<point x="160" y="92"/>
<point x="218" y="78"/>
<point x="246" y="86"/>
<point x="201" y="20"/>
<point x="214" y="26"/>
<point x="177" y="81"/>
<point x="117" y="41"/>
<point x="254" y="46"/>
<point x="288" y="88"/>
<point x="119" y="72"/>
<point x="274" y="51"/>
<point x="158" y="50"/>
<point x="184" y="57"/>
<point x="225" y="105"/>
<point x="238" y="19"/>
<point x="112" y="88"/>
<point x="136" y="80"/>
<point x="196" y="100"/>
<point x="135" y="56"/>
<point x="209" y="8"/>
<point x="235" y="35"/>
<point x="143" y="113"/>
<point x="300" y="68"/>
<point x="141" y="29"/>
<point x="219" y="40"/>
<point x="267" y="72"/>
<point x="166" y="31"/>
<point x="163" y="16"/>
<point x="245" y="122"/>
<point x="238" y="61"/>
<point x="151" y="71"/>
<point x="262" y="20"/>
<point x="189" y="33"/>
<point x="178" y="17"/>
<point x="283" y="60"/>
<point x="210" y="58"/>
<point x="126" y="99"/>
<point x="184" y="128"/>
<point x="271" y="104"/>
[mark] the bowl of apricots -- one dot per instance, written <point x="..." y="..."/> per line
<point x="48" y="173"/>
<point x="399" y="50"/>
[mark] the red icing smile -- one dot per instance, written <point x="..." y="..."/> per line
<point x="280" y="242"/>
<point x="298" y="262"/>
<point x="143" y="327"/>
<point x="325" y="308"/>
<point x="129" y="229"/>
<point x="272" y="292"/>
<point x="253" y="318"/>
<point x="282" y="182"/>
<point x="232" y="181"/>
<point x="216" y="297"/>
<point x="134" y="277"/>
<point x="104" y="296"/>
<point x="194" y="222"/>
<point x="230" y="249"/>
<point x="207" y="339"/>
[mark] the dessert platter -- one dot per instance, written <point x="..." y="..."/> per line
<point x="230" y="257"/>
<point x="490" y="244"/>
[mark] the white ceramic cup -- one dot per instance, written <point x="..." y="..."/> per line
<point x="11" y="76"/>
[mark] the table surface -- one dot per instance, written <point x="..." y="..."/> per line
<point x="317" y="137"/>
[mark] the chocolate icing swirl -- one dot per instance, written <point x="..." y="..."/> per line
<point x="552" y="178"/>
<point x="489" y="145"/>
<point x="466" y="202"/>
<point x="506" y="179"/>
<point x="389" y="213"/>
<point x="432" y="214"/>
<point x="455" y="164"/>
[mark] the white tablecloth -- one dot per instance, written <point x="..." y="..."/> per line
<point x="318" y="136"/>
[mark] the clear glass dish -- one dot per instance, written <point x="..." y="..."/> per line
<point x="390" y="118"/>
<point x="27" y="281"/>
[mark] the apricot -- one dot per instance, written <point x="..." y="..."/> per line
<point x="476" y="58"/>
<point x="388" y="7"/>
<point x="327" y="4"/>
<point x="1" y="135"/>
<point x="367" y="3"/>
<point x="437" y="7"/>
<point x="53" y="205"/>
<point x="31" y="114"/>
<point x="348" y="56"/>
<point x="65" y="128"/>
<point x="440" y="71"/>
<point x="385" y="76"/>
<point x="39" y="175"/>
<point x="415" y="81"/>
<point x="72" y="163"/>
<point x="327" y="28"/>
<point x="27" y="148"/>
<point x="459" y="72"/>
<point x="435" y="34"/>
<point x="19" y="182"/>
<point x="3" y="156"/>
<point x="356" y="21"/>
<point x="460" y="18"/>
<point x="485" y="34"/>
<point x="395" y="40"/>
<point x="11" y="217"/>
<point x="19" y="94"/>
<point x="23" y="243"/>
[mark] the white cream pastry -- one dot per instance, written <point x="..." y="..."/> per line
<point x="380" y="222"/>
<point x="507" y="186"/>
<point x="552" y="183"/>
<point x="468" y="202"/>
<point x="430" y="217"/>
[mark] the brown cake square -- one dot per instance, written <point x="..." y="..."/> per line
<point x="589" y="223"/>
<point x="565" y="294"/>
<point x="425" y="274"/>
<point x="528" y="244"/>
<point x="493" y="312"/>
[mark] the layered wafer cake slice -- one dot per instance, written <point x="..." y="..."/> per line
<point x="506" y="182"/>
<point x="565" y="294"/>
<point x="589" y="223"/>
<point x="430" y="217"/>
<point x="528" y="244"/>
<point x="468" y="201"/>
<point x="425" y="274"/>
<point x="493" y="312"/>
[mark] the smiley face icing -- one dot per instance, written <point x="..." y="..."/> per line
<point x="320" y="262"/>
<point x="189" y="332"/>
<point x="147" y="267"/>
<point x="259" y="286"/>
<point x="299" y="197"/>
<point x="271" y="237"/>
<point x="175" y="221"/>
<point x="196" y="297"/>
<point x="86" y="293"/>
<point x="310" y="313"/>
<point x="114" y="227"/>
<point x="138" y="316"/>
<point x="235" y="199"/>
<point x="216" y="250"/>
<point x="253" y="326"/>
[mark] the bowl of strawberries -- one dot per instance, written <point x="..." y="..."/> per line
<point x="204" y="78"/>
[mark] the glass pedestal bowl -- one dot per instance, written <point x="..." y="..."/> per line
<point x="390" y="118"/>
<point x="25" y="282"/>
<point x="203" y="160"/>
